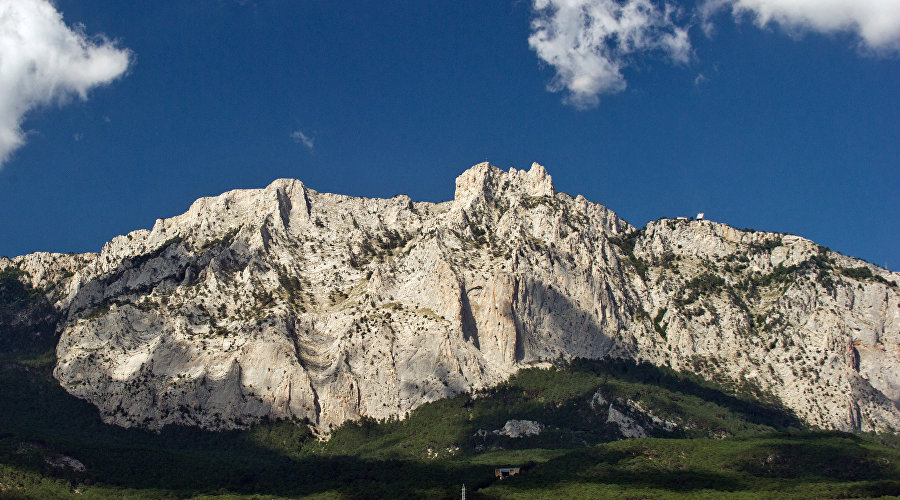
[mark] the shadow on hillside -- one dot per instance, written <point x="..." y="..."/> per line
<point x="268" y="459"/>
<point x="583" y="334"/>
<point x="835" y="462"/>
<point x="562" y="398"/>
<point x="753" y="410"/>
<point x="570" y="317"/>
<point x="38" y="419"/>
<point x="822" y="455"/>
<point x="27" y="318"/>
<point x="619" y="467"/>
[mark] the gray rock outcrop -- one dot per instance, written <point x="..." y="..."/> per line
<point x="520" y="428"/>
<point x="627" y="426"/>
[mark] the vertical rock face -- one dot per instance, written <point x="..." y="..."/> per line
<point x="287" y="303"/>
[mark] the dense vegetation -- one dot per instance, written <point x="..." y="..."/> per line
<point x="436" y="449"/>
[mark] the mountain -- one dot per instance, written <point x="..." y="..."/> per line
<point x="288" y="303"/>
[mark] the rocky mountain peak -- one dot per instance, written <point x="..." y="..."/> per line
<point x="283" y="302"/>
<point x="485" y="182"/>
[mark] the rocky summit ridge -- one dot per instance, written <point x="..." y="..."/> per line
<point x="284" y="302"/>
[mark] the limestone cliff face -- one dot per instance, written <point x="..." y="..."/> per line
<point x="287" y="303"/>
<point x="818" y="329"/>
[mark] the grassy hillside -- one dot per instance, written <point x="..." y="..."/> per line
<point x="764" y="452"/>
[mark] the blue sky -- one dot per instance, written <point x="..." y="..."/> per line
<point x="770" y="114"/>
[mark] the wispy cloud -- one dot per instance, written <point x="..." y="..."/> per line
<point x="43" y="61"/>
<point x="589" y="42"/>
<point x="876" y="22"/>
<point x="302" y="138"/>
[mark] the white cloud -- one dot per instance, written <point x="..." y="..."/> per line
<point x="42" y="61"/>
<point x="876" y="22"/>
<point x="589" y="42"/>
<point x="299" y="137"/>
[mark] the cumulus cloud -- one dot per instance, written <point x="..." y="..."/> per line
<point x="301" y="138"/>
<point x="876" y="22"/>
<point x="589" y="42"/>
<point x="43" y="61"/>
